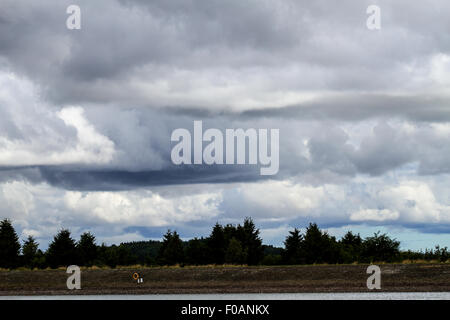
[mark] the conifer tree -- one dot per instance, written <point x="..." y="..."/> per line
<point x="9" y="245"/>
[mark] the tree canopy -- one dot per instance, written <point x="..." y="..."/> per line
<point x="231" y="244"/>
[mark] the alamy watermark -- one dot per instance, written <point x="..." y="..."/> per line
<point x="74" y="280"/>
<point x="373" y="22"/>
<point x="236" y="150"/>
<point x="73" y="21"/>
<point x="374" y="281"/>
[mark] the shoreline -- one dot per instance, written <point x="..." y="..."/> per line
<point x="246" y="297"/>
<point x="229" y="280"/>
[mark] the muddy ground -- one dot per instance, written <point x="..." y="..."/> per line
<point x="231" y="279"/>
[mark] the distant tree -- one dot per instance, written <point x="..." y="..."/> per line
<point x="62" y="251"/>
<point x="272" y="255"/>
<point x="272" y="260"/>
<point x="9" y="245"/>
<point x="350" y="239"/>
<point x="441" y="254"/>
<point x="232" y="244"/>
<point x="319" y="247"/>
<point x="114" y="255"/>
<point x="196" y="252"/>
<point x="235" y="253"/>
<point x="40" y="260"/>
<point x="351" y="246"/>
<point x="172" y="251"/>
<point x="144" y="252"/>
<point x="251" y="242"/>
<point x="30" y="252"/>
<point x="380" y="247"/>
<point x="87" y="249"/>
<point x="104" y="256"/>
<point x="217" y="244"/>
<point x="231" y="231"/>
<point x="248" y="236"/>
<point x="123" y="255"/>
<point x="292" y="253"/>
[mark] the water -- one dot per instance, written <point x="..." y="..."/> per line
<point x="253" y="296"/>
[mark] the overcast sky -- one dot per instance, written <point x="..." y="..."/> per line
<point x="87" y="116"/>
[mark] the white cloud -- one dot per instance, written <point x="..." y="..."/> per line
<point x="91" y="147"/>
<point x="440" y="70"/>
<point x="18" y="197"/>
<point x="415" y="201"/>
<point x="286" y="198"/>
<point x="36" y="134"/>
<point x="374" y="215"/>
<point x="276" y="206"/>
<point x="142" y="208"/>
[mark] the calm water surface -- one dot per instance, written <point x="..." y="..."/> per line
<point x="253" y="296"/>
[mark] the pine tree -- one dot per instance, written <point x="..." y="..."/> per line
<point x="9" y="245"/>
<point x="292" y="253"/>
<point x="251" y="242"/>
<point x="30" y="252"/>
<point x="62" y="251"/>
<point x="351" y="245"/>
<point x="235" y="253"/>
<point x="87" y="249"/>
<point x="196" y="252"/>
<point x="217" y="244"/>
<point x="172" y="251"/>
<point x="319" y="247"/>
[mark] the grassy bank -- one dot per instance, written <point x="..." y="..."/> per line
<point x="228" y="279"/>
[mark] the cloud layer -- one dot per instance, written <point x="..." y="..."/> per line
<point x="87" y="115"/>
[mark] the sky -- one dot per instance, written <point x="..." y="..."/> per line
<point x="363" y="117"/>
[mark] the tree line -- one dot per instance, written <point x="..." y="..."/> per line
<point x="228" y="244"/>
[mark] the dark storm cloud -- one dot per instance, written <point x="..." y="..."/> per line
<point x="428" y="108"/>
<point x="31" y="174"/>
<point x="114" y="180"/>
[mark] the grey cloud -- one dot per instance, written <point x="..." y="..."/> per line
<point x="315" y="151"/>
<point x="100" y="63"/>
<point x="114" y="180"/>
<point x="355" y="107"/>
<point x="349" y="103"/>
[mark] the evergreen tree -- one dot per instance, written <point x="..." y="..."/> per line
<point x="351" y="246"/>
<point x="62" y="251"/>
<point x="105" y="256"/>
<point x="231" y="231"/>
<point x="30" y="252"/>
<point x="216" y="245"/>
<point x="196" y="252"/>
<point x="172" y="251"/>
<point x="40" y="260"/>
<point x="319" y="247"/>
<point x="144" y="252"/>
<point x="235" y="253"/>
<point x="9" y="245"/>
<point x="87" y="249"/>
<point x="251" y="242"/>
<point x="292" y="253"/>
